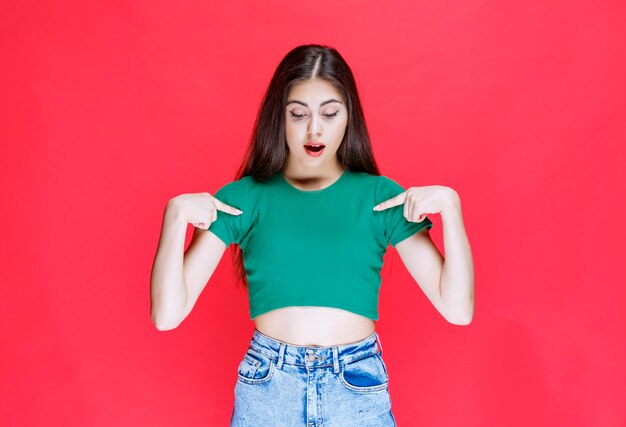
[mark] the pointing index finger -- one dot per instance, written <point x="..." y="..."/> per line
<point x="394" y="201"/>
<point x="226" y="208"/>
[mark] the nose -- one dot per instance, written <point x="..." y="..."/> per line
<point x="315" y="128"/>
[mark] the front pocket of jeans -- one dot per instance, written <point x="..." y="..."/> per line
<point x="255" y="368"/>
<point x="365" y="375"/>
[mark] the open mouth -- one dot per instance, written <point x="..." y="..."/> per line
<point x="314" y="150"/>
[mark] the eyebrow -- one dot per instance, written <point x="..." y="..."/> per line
<point x="295" y="101"/>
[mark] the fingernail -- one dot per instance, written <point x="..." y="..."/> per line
<point x="240" y="212"/>
<point x="375" y="208"/>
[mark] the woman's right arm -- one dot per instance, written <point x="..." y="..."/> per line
<point x="178" y="276"/>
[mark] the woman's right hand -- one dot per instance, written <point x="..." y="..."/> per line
<point x="199" y="209"/>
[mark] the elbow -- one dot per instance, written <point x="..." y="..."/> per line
<point x="464" y="321"/>
<point x="461" y="313"/>
<point x="462" y="317"/>
<point x="164" y="316"/>
<point x="163" y="323"/>
<point x="165" y="326"/>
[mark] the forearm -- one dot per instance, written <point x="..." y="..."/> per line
<point x="168" y="293"/>
<point x="457" y="275"/>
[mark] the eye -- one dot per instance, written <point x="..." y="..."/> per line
<point x="331" y="115"/>
<point x="297" y="116"/>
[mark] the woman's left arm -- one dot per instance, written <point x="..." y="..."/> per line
<point x="447" y="282"/>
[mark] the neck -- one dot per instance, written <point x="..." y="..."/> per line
<point x="313" y="179"/>
<point x="330" y="172"/>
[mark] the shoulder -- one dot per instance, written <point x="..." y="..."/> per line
<point x="380" y="184"/>
<point x="242" y="184"/>
<point x="388" y="182"/>
<point x="238" y="191"/>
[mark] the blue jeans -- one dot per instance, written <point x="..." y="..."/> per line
<point x="280" y="384"/>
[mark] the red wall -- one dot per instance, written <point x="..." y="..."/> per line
<point x="109" y="109"/>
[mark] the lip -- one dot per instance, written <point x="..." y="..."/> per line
<point x="314" y="153"/>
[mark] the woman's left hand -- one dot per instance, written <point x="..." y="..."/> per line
<point x="421" y="201"/>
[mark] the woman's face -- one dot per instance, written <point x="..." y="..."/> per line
<point x="315" y="116"/>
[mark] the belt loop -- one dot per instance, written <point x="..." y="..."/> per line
<point x="281" y="356"/>
<point x="379" y="343"/>
<point x="335" y="360"/>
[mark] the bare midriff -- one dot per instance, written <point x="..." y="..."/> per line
<point x="314" y="326"/>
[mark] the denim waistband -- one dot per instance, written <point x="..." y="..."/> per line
<point x="314" y="356"/>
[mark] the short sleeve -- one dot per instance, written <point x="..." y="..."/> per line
<point x="395" y="226"/>
<point x="231" y="228"/>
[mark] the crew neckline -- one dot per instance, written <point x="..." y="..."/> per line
<point x="334" y="184"/>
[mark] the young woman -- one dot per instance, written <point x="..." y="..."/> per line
<point x="311" y="218"/>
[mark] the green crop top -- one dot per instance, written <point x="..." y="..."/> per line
<point x="313" y="248"/>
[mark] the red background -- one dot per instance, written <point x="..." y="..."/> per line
<point x="109" y="109"/>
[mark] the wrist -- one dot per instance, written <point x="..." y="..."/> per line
<point x="174" y="213"/>
<point x="452" y="204"/>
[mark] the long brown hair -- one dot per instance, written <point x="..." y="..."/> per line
<point x="268" y="151"/>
